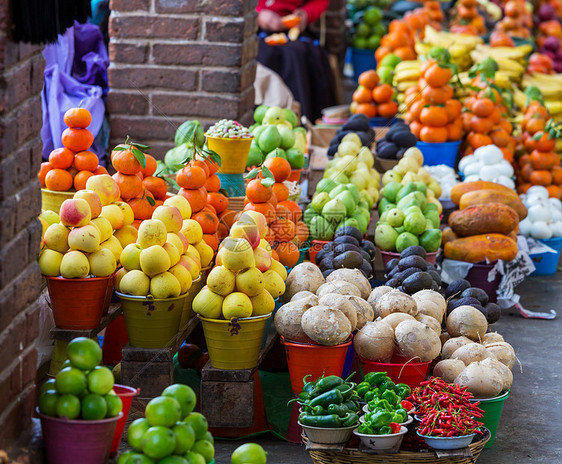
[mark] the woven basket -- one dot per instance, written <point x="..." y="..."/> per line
<point x="236" y="203"/>
<point x="355" y="456"/>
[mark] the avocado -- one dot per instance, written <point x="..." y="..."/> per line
<point x="327" y="248"/>
<point x="346" y="239"/>
<point x="412" y="261"/>
<point x="405" y="139"/>
<point x="350" y="231"/>
<point x="456" y="287"/>
<point x="343" y="247"/>
<point x="435" y="286"/>
<point x="327" y="262"/>
<point x="494" y="312"/>
<point x="400" y="153"/>
<point x="403" y="275"/>
<point x="327" y="272"/>
<point x="387" y="151"/>
<point x="357" y="122"/>
<point x="341" y="134"/>
<point x="482" y="309"/>
<point x="435" y="276"/>
<point x="391" y="264"/>
<point x="367" y="269"/>
<point x="410" y="187"/>
<point x="348" y="259"/>
<point x="416" y="282"/>
<point x="455" y="303"/>
<point x="413" y="250"/>
<point x="332" y="150"/>
<point x="366" y="138"/>
<point x="393" y="272"/>
<point x="393" y="283"/>
<point x="369" y="247"/>
<point x="477" y="293"/>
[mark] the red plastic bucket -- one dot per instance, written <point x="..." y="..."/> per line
<point x="478" y="277"/>
<point x="315" y="247"/>
<point x="77" y="441"/>
<point x="114" y="340"/>
<point x="317" y="360"/>
<point x="295" y="175"/>
<point x="126" y="394"/>
<point x="78" y="303"/>
<point x="388" y="255"/>
<point x="108" y="295"/>
<point x="412" y="373"/>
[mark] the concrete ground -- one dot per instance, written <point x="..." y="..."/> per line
<point x="531" y="426"/>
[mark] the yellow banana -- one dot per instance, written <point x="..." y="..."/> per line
<point x="553" y="107"/>
<point x="410" y="64"/>
<point x="407" y="75"/>
<point x="403" y="86"/>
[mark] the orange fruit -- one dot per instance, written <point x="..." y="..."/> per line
<point x="256" y="192"/>
<point x="302" y="232"/>
<point x="222" y="231"/>
<point x="150" y="167"/>
<point x="265" y="208"/>
<point x="191" y="177"/>
<point x="227" y="217"/>
<point x="212" y="240"/>
<point x="388" y="109"/>
<point x="43" y="170"/>
<point x="362" y="95"/>
<point x="434" y="116"/>
<point x="294" y="208"/>
<point x="201" y="164"/>
<point x="281" y="191"/>
<point x="499" y="137"/>
<point x="86" y="161"/>
<point x="125" y="162"/>
<point x="436" y="76"/>
<point x="77" y="139"/>
<point x="481" y="125"/>
<point x="368" y="109"/>
<point x="58" y="180"/>
<point x="545" y="143"/>
<point x="432" y="134"/>
<point x="100" y="170"/>
<point x="81" y="178"/>
<point x="213" y="183"/>
<point x="383" y="93"/>
<point x="156" y="186"/>
<point x="483" y="107"/>
<point x="211" y="166"/>
<point x="279" y="167"/>
<point x="197" y="198"/>
<point x="368" y="79"/>
<point x="479" y="140"/>
<point x="284" y="229"/>
<point x="288" y="253"/>
<point x="208" y="221"/>
<point x="542" y="177"/>
<point x="210" y="209"/>
<point x="77" y="118"/>
<point x="130" y="186"/>
<point x="274" y="254"/>
<point x="142" y="209"/>
<point x="61" y="158"/>
<point x="282" y="211"/>
<point x="217" y="201"/>
<point x="557" y="175"/>
<point x="270" y="236"/>
<point x="453" y="109"/>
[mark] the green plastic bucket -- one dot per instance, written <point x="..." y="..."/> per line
<point x="187" y="312"/>
<point x="492" y="408"/>
<point x="152" y="323"/>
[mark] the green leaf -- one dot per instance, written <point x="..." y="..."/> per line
<point x="266" y="172"/>
<point x="551" y="134"/>
<point x="268" y="181"/>
<point x="139" y="155"/>
<point x="252" y="174"/>
<point x="141" y="146"/>
<point x="538" y="135"/>
<point x="151" y="201"/>
<point x="122" y="148"/>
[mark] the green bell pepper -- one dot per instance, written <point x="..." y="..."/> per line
<point x="380" y="419"/>
<point x="375" y="378"/>
<point x="387" y="384"/>
<point x="391" y="397"/>
<point x="386" y="430"/>
<point x="366" y="429"/>
<point x="402" y="390"/>
<point x="383" y="404"/>
<point x="403" y="413"/>
<point x="369" y="396"/>
<point x="397" y="418"/>
<point x="363" y="388"/>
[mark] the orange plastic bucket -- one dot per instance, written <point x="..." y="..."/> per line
<point x="315" y="247"/>
<point x="317" y="360"/>
<point x="78" y="303"/>
<point x="295" y="175"/>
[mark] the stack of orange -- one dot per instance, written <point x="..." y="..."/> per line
<point x="517" y="21"/>
<point x="70" y="167"/>
<point x="434" y="116"/>
<point x="501" y="39"/>
<point x="400" y="40"/>
<point x="467" y="19"/>
<point x="372" y="98"/>
<point x="540" y="165"/>
<point x="540" y="63"/>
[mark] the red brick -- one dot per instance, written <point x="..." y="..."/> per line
<point x="201" y="54"/>
<point x="224" y="30"/>
<point x="227" y="7"/>
<point x="32" y="321"/>
<point x="124" y="26"/>
<point x="129" y="5"/>
<point x="14" y="134"/>
<point x="247" y="100"/>
<point x="215" y="80"/>
<point x="18" y="211"/>
<point x="29" y="366"/>
<point x="248" y="75"/>
<point x="16" y="417"/>
<point x="14" y="257"/>
<point x="250" y="24"/>
<point x="177" y="6"/>
<point x="12" y="339"/>
<point x="126" y="102"/>
<point x="142" y="77"/>
<point x="145" y="128"/>
<point x="195" y="105"/>
<point x="133" y="53"/>
<point x="22" y="291"/>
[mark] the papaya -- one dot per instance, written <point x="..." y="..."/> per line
<point x="464" y="187"/>
<point x="448" y="235"/>
<point x="481" y="197"/>
<point x="484" y="219"/>
<point x="481" y="247"/>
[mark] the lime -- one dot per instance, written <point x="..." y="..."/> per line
<point x="48" y="402"/>
<point x="194" y="458"/>
<point x="173" y="460"/>
<point x="67" y="363"/>
<point x="373" y="42"/>
<point x="84" y="353"/>
<point x="114" y="405"/>
<point x="372" y="16"/>
<point x="94" y="407"/>
<point x="136" y="431"/>
<point x="70" y="381"/>
<point x="124" y="457"/>
<point x="184" y="395"/>
<point x="163" y="410"/>
<point x="158" y="442"/>
<point x="259" y="113"/>
<point x="205" y="449"/>
<point x="100" y="380"/>
<point x="209" y="438"/>
<point x="363" y="30"/>
<point x="185" y="437"/>
<point x="249" y="453"/>
<point x="135" y="458"/>
<point x="68" y="406"/>
<point x="359" y="42"/>
<point x="48" y="385"/>
<point x="199" y="424"/>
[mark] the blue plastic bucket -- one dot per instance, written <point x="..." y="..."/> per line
<point x="547" y="263"/>
<point x="233" y="184"/>
<point x="362" y="60"/>
<point x="439" y="153"/>
<point x="382" y="122"/>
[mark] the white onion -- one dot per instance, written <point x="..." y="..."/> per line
<point x="472" y="178"/>
<point x="525" y="227"/>
<point x="538" y="190"/>
<point x="473" y="168"/>
<point x="556" y="203"/>
<point x="489" y="173"/>
<point x="505" y="181"/>
<point x="464" y="162"/>
<point x="505" y="168"/>
<point x="490" y="154"/>
<point x="538" y="213"/>
<point x="555" y="215"/>
<point x="556" y="228"/>
<point x="540" y="230"/>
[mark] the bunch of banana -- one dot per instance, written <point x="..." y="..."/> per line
<point x="550" y="86"/>
<point x="406" y="74"/>
<point x="511" y="61"/>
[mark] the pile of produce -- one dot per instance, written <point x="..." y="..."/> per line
<point x="71" y="166"/>
<point x="386" y="68"/>
<point x="548" y="85"/>
<point x="357" y="124"/>
<point x="445" y="176"/>
<point x="277" y="134"/>
<point x="188" y="139"/>
<point x="544" y="219"/>
<point x="367" y="28"/>
<point x="467" y="19"/>
<point x="511" y="61"/>
<point x="82" y="389"/>
<point x="170" y="428"/>
<point x="461" y="293"/>
<point x="396" y="141"/>
<point x="373" y="98"/>
<point x="411" y="272"/>
<point x="487" y="163"/>
<point x="549" y="33"/>
<point x="377" y="384"/>
<point x="517" y="21"/>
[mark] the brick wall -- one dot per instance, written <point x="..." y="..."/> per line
<point x="173" y="60"/>
<point x="21" y="80"/>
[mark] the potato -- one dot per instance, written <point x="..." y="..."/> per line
<point x="338" y="286"/>
<point x="416" y="340"/>
<point x="444" y="337"/>
<point x="353" y="276"/>
<point x="376" y="294"/>
<point x="492" y="337"/>
<point x="396" y="318"/>
<point x="288" y="320"/>
<point x="337" y="301"/>
<point x="448" y="369"/>
<point x="304" y="276"/>
<point x="471" y="352"/>
<point x="453" y="344"/>
<point x="304" y="294"/>
<point x="325" y="325"/>
<point x="375" y="341"/>
<point x="431" y="303"/>
<point x="468" y="321"/>
<point x="503" y="352"/>
<point x="502" y="369"/>
<point x="482" y="381"/>
<point x="364" y="310"/>
<point x="431" y="322"/>
<point x="395" y="302"/>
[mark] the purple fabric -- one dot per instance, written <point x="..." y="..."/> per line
<point x="90" y="56"/>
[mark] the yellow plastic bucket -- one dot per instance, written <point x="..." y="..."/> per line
<point x="234" y="344"/>
<point x="187" y="312"/>
<point x="233" y="152"/>
<point x="51" y="199"/>
<point x="58" y="357"/>
<point x="152" y="323"/>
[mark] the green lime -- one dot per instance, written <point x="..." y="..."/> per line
<point x="124" y="457"/>
<point x="68" y="406"/>
<point x="67" y="363"/>
<point x="114" y="405"/>
<point x="158" y="442"/>
<point x="363" y="30"/>
<point x="185" y="437"/>
<point x="135" y="458"/>
<point x="70" y="381"/>
<point x="163" y="410"/>
<point x="209" y="438"/>
<point x="184" y="395"/>
<point x="373" y="42"/>
<point x="199" y="424"/>
<point x="259" y="113"/>
<point x="136" y="431"/>
<point x="205" y="449"/>
<point x="194" y="458"/>
<point x="84" y="353"/>
<point x="100" y="380"/>
<point x="372" y="16"/>
<point x="48" y="385"/>
<point x="249" y="453"/>
<point x="173" y="460"/>
<point x="48" y="402"/>
<point x="94" y="407"/>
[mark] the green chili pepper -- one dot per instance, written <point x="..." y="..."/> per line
<point x="402" y="390"/>
<point x="375" y="378"/>
<point x="391" y="397"/>
<point x="328" y="383"/>
<point x="380" y="419"/>
<point x="386" y="430"/>
<point x="346" y="390"/>
<point x="349" y="420"/>
<point x="369" y="396"/>
<point x="387" y="384"/>
<point x="328" y="420"/>
<point x="363" y="388"/>
<point x="339" y="409"/>
<point x="316" y="410"/>
<point x="351" y="405"/>
<point x="325" y="399"/>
